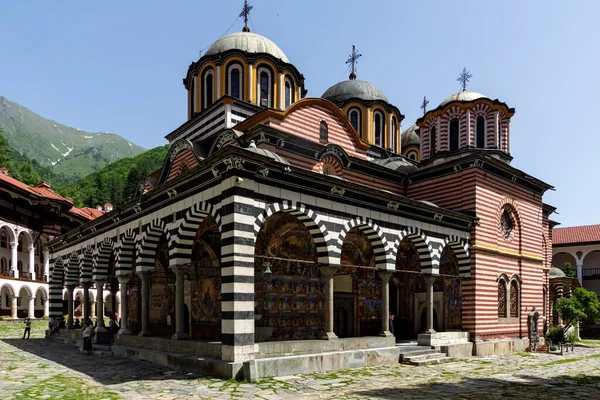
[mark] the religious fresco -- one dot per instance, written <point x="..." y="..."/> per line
<point x="357" y="252"/>
<point x="289" y="301"/>
<point x="162" y="293"/>
<point x="406" y="282"/>
<point x="205" y="281"/>
<point x="452" y="290"/>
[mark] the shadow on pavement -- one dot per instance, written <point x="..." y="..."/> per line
<point x="105" y="369"/>
<point x="522" y="387"/>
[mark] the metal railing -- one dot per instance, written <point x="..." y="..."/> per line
<point x="590" y="273"/>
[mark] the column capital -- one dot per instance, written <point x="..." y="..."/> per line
<point x="86" y="285"/>
<point x="430" y="279"/>
<point x="123" y="280"/>
<point x="13" y="245"/>
<point x="385" y="275"/>
<point x="328" y="271"/>
<point x="71" y="287"/>
<point x="181" y="269"/>
<point x="144" y="274"/>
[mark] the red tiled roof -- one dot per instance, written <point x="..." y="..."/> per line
<point x="576" y="234"/>
<point x="87" y="212"/>
<point x="41" y="189"/>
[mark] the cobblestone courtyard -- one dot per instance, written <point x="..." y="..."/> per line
<point x="37" y="368"/>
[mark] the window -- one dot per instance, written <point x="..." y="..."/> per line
<point x="265" y="87"/>
<point x="234" y="81"/>
<point x="480" y="133"/>
<point x="432" y="141"/>
<point x="323" y="132"/>
<point x="393" y="134"/>
<point x="354" y="116"/>
<point x="20" y="266"/>
<point x="3" y="240"/>
<point x="412" y="155"/>
<point x="514" y="299"/>
<point x="454" y="134"/>
<point x="506" y="224"/>
<point x="208" y="87"/>
<point x="378" y="128"/>
<point x="3" y="264"/>
<point x="502" y="299"/>
<point x="20" y="245"/>
<point x="289" y="92"/>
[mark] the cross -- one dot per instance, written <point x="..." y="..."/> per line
<point x="352" y="60"/>
<point x="424" y="105"/>
<point x="245" y="13"/>
<point x="464" y="78"/>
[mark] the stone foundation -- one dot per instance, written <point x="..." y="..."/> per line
<point x="191" y="347"/>
<point x="299" y="347"/>
<point x="500" y="346"/>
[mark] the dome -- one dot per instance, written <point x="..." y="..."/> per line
<point x="410" y="137"/>
<point x="556" y="273"/>
<point x="399" y="164"/>
<point x="248" y="42"/>
<point x="354" y="88"/>
<point x="462" y="96"/>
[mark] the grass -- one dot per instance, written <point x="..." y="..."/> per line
<point x="66" y="388"/>
<point x="14" y="330"/>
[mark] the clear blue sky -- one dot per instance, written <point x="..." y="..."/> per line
<point x="117" y="66"/>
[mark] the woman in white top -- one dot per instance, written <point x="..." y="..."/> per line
<point x="87" y="337"/>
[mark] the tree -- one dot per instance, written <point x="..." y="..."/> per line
<point x="570" y="271"/>
<point x="580" y="307"/>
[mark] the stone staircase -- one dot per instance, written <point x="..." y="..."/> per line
<point x="74" y="338"/>
<point x="422" y="355"/>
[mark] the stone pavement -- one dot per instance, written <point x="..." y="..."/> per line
<point x="42" y="369"/>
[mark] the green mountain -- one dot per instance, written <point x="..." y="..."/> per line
<point x="70" y="152"/>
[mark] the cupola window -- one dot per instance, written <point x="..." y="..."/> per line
<point x="432" y="141"/>
<point x="412" y="155"/>
<point x="323" y="132"/>
<point x="454" y="134"/>
<point x="393" y="134"/>
<point x="207" y="92"/>
<point x="234" y="81"/>
<point x="288" y="92"/>
<point x="378" y="128"/>
<point x="480" y="133"/>
<point x="265" y="89"/>
<point x="354" y="115"/>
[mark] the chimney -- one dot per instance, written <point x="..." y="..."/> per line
<point x="108" y="207"/>
<point x="99" y="208"/>
<point x="4" y="171"/>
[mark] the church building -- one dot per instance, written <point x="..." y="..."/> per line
<point x="288" y="227"/>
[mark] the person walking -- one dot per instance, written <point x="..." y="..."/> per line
<point x="87" y="338"/>
<point x="27" y="330"/>
<point x="392" y="324"/>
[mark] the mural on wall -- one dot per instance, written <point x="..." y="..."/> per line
<point x="451" y="288"/>
<point x="357" y="252"/>
<point x="289" y="301"/>
<point x="406" y="283"/>
<point x="162" y="292"/>
<point x="134" y="302"/>
<point x="205" y="281"/>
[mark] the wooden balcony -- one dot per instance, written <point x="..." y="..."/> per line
<point x="590" y="273"/>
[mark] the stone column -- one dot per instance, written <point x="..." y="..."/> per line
<point x="31" y="310"/>
<point x="93" y="310"/>
<point x="46" y="265"/>
<point x="580" y="272"/>
<point x="145" y="278"/>
<point x="71" y="300"/>
<point x="385" y="302"/>
<point x="31" y="250"/>
<point x="46" y="307"/>
<point x="13" y="259"/>
<point x="124" y="281"/>
<point x="429" y="280"/>
<point x="328" y="274"/>
<point x="180" y="334"/>
<point x="86" y="300"/>
<point x="100" y="306"/>
<point x="13" y="308"/>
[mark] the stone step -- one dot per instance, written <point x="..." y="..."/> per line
<point x="426" y="359"/>
<point x="419" y="352"/>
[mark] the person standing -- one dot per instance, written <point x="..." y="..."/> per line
<point x="392" y="324"/>
<point x="27" y="330"/>
<point x="87" y="337"/>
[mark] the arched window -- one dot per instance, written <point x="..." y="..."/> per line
<point x="3" y="239"/>
<point x="480" y="133"/>
<point x="265" y="87"/>
<point x="235" y="82"/>
<point x="354" y="117"/>
<point x="393" y="134"/>
<point x="432" y="141"/>
<point x="514" y="299"/>
<point x="20" y="245"/>
<point x="454" y="134"/>
<point x="289" y="92"/>
<point x="412" y="155"/>
<point x="3" y="265"/>
<point x="20" y="266"/>
<point x="502" y="298"/>
<point x="378" y="128"/>
<point x="323" y="132"/>
<point x="207" y="88"/>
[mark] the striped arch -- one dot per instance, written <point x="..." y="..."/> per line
<point x="376" y="237"/>
<point x="55" y="288"/>
<point x="125" y="253"/>
<point x="310" y="219"/>
<point x="181" y="243"/>
<point x="461" y="251"/>
<point x="72" y="270"/>
<point x="103" y="252"/>
<point x="430" y="264"/>
<point x="146" y="250"/>
<point x="87" y="265"/>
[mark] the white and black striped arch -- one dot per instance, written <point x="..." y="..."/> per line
<point x="376" y="237"/>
